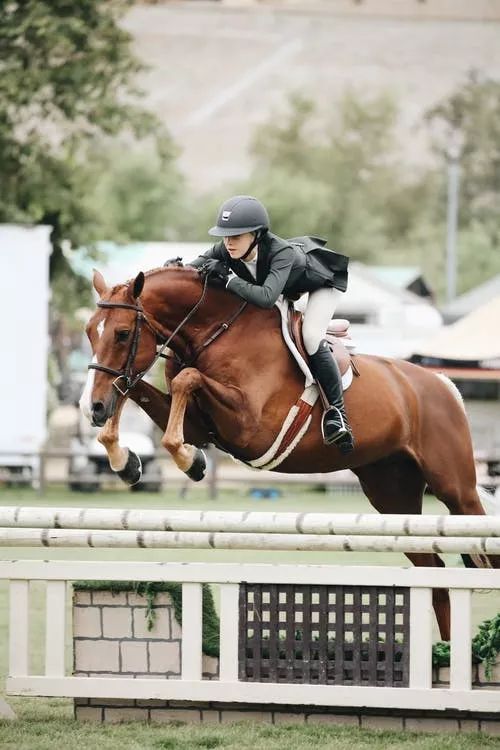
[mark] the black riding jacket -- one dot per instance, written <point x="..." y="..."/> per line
<point x="288" y="267"/>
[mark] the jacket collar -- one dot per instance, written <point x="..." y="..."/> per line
<point x="238" y="266"/>
<point x="263" y="259"/>
<point x="242" y="271"/>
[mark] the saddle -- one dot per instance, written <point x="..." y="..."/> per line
<point x="337" y="330"/>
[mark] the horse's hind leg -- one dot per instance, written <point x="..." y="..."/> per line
<point x="449" y="469"/>
<point x="396" y="485"/>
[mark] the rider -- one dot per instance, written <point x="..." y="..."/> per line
<point x="259" y="266"/>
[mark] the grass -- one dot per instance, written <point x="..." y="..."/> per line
<point x="48" y="723"/>
<point x="52" y="728"/>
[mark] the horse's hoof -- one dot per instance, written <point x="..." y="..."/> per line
<point x="132" y="471"/>
<point x="196" y="471"/>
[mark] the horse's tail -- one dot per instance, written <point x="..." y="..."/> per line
<point x="452" y="387"/>
<point x="490" y="503"/>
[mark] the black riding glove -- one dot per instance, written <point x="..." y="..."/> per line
<point x="217" y="272"/>
<point x="174" y="262"/>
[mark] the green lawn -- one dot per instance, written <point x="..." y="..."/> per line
<point x="51" y="727"/>
<point x="48" y="723"/>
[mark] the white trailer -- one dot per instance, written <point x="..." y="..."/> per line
<point x="24" y="295"/>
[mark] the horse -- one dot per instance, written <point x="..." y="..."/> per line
<point x="232" y="382"/>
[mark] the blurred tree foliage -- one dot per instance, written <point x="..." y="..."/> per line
<point x="345" y="180"/>
<point x="349" y="181"/>
<point x="67" y="92"/>
<point x="77" y="152"/>
<point x="468" y="123"/>
<point x="136" y="196"/>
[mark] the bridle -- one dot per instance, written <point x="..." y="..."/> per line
<point x="126" y="374"/>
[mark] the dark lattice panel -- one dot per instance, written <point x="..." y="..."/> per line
<point x="325" y="635"/>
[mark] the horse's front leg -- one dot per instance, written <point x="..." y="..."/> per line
<point x="191" y="460"/>
<point x="123" y="461"/>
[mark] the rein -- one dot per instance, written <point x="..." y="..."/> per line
<point x="223" y="327"/>
<point x="126" y="373"/>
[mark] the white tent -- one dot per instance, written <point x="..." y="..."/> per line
<point x="473" y="338"/>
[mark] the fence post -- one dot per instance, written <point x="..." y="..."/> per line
<point x="421" y="614"/>
<point x="191" y="645"/>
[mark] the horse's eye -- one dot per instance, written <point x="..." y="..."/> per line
<point x="122" y="336"/>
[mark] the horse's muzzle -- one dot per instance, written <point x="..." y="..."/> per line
<point x="99" y="413"/>
<point x="102" y="410"/>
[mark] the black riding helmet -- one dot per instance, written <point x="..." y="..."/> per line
<point x="240" y="214"/>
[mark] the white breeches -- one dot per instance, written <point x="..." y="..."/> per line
<point x="317" y="315"/>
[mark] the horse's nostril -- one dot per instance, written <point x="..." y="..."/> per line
<point x="97" y="408"/>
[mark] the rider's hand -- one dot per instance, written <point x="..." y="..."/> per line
<point x="174" y="262"/>
<point x="216" y="270"/>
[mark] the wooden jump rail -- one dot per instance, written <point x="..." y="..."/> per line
<point x="229" y="540"/>
<point x="250" y="522"/>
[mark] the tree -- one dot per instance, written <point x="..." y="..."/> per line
<point x="67" y="80"/>
<point x="468" y="121"/>
<point x="67" y="95"/>
<point x="343" y="179"/>
<point x="348" y="180"/>
<point x="136" y="196"/>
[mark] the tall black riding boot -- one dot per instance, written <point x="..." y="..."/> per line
<point x="335" y="426"/>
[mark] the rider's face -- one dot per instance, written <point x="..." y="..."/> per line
<point x="238" y="245"/>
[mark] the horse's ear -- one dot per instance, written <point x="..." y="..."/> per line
<point x="99" y="283"/>
<point x="138" y="285"/>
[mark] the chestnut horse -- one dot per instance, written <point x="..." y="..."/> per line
<point x="235" y="390"/>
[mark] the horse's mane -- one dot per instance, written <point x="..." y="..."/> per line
<point x="154" y="271"/>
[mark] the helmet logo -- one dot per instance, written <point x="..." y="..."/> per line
<point x="226" y="215"/>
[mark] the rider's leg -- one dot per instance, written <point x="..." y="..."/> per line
<point x="319" y="311"/>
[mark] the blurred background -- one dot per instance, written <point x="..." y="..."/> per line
<point x="123" y="125"/>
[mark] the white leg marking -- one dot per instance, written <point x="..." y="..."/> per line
<point x="86" y="397"/>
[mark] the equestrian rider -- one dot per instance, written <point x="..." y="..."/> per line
<point x="258" y="266"/>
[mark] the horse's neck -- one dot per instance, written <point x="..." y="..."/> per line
<point x="256" y="328"/>
<point x="183" y="286"/>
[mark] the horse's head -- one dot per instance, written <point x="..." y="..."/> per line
<point x="178" y="309"/>
<point x="123" y="346"/>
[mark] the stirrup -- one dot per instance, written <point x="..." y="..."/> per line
<point x="342" y="434"/>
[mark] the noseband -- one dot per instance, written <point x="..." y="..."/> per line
<point x="126" y="374"/>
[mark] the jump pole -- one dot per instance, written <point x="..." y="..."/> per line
<point x="352" y="524"/>
<point x="98" y="538"/>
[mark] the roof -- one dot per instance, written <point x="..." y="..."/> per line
<point x="118" y="263"/>
<point x="400" y="276"/>
<point x="383" y="303"/>
<point x="472" y="299"/>
<point x="404" y="277"/>
<point x="473" y="338"/>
